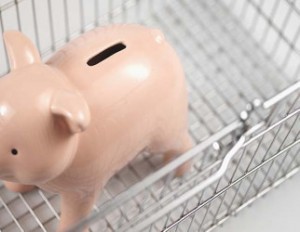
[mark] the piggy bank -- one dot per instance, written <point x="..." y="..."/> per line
<point x="68" y="125"/>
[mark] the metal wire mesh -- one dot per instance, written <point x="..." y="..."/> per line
<point x="233" y="52"/>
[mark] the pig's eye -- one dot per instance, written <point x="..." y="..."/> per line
<point x="14" y="151"/>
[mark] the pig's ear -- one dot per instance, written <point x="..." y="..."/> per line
<point x="20" y="50"/>
<point x="72" y="109"/>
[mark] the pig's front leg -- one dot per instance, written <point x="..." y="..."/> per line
<point x="75" y="207"/>
<point x="19" y="188"/>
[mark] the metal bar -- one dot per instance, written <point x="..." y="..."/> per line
<point x="251" y="140"/>
<point x="183" y="211"/>
<point x="67" y="25"/>
<point x="124" y="11"/>
<point x="256" y="17"/>
<point x="273" y="114"/>
<point x="97" y="16"/>
<point x="2" y="30"/>
<point x="292" y="47"/>
<point x="266" y="174"/>
<point x="244" y="10"/>
<point x="166" y="187"/>
<point x="273" y="11"/>
<point x="11" y="214"/>
<point x="281" y="146"/>
<point x="237" y="192"/>
<point x="281" y="167"/>
<point x="166" y="222"/>
<point x="293" y="105"/>
<point x="49" y="204"/>
<point x="264" y="157"/>
<point x="138" y="10"/>
<point x="218" y="210"/>
<point x="9" y="4"/>
<point x="231" y="180"/>
<point x="23" y="214"/>
<point x="32" y="213"/>
<point x="135" y="201"/>
<point x="207" y="207"/>
<point x="255" y="152"/>
<point x="150" y="4"/>
<point x="281" y="31"/>
<point x="18" y="15"/>
<point x="51" y="25"/>
<point x="141" y="226"/>
<point x="289" y="166"/>
<point x="149" y="189"/>
<point x="250" y="201"/>
<point x="282" y="95"/>
<point x="236" y="189"/>
<point x="192" y="220"/>
<point x="82" y="18"/>
<point x="110" y="10"/>
<point x="36" y="30"/>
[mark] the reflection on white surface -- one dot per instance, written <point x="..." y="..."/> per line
<point x="278" y="211"/>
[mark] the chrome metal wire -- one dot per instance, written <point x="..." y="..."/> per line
<point x="241" y="60"/>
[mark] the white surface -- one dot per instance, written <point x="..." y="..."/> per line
<point x="278" y="211"/>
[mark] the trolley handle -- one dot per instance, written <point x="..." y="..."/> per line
<point x="280" y="96"/>
<point x="272" y="104"/>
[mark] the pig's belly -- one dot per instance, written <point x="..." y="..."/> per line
<point x="123" y="148"/>
<point x="103" y="151"/>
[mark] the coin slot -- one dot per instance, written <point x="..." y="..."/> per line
<point x="108" y="52"/>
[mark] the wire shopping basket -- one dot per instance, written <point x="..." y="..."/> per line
<point x="241" y="61"/>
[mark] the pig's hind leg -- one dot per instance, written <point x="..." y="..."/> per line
<point x="172" y="146"/>
<point x="182" y="145"/>
<point x="75" y="207"/>
<point x="19" y="188"/>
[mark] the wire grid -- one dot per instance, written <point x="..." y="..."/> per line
<point x="275" y="27"/>
<point x="253" y="172"/>
<point x="225" y="68"/>
<point x="269" y="156"/>
<point x="259" y="166"/>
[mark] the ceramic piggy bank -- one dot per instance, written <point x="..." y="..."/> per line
<point x="68" y="125"/>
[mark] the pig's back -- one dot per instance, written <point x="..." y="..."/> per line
<point x="144" y="59"/>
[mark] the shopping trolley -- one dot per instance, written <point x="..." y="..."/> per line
<point x="241" y="60"/>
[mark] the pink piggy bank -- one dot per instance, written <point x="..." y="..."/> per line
<point x="68" y="125"/>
